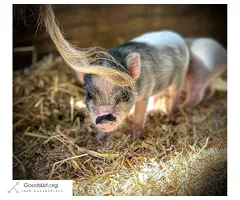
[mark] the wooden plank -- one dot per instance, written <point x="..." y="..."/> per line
<point x="109" y="25"/>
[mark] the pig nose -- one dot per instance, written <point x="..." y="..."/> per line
<point x="105" y="119"/>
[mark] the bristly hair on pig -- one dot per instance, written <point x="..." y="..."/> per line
<point x="79" y="59"/>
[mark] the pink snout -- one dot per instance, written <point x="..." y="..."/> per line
<point x="105" y="118"/>
<point x="106" y="126"/>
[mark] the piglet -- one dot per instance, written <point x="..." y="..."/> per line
<point x="121" y="77"/>
<point x="208" y="60"/>
<point x="156" y="60"/>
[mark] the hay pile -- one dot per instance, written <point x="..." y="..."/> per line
<point x="53" y="139"/>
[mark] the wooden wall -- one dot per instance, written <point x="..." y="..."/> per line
<point x="111" y="25"/>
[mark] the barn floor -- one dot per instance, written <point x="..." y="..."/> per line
<point x="53" y="138"/>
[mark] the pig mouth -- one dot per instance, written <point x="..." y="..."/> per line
<point x="107" y="127"/>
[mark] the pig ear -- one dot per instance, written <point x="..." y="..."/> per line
<point x="80" y="77"/>
<point x="133" y="64"/>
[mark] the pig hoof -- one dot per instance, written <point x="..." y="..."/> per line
<point x="136" y="134"/>
<point x="173" y="112"/>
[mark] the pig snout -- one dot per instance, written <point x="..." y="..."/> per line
<point x="105" y="120"/>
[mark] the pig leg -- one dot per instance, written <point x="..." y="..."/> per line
<point x="176" y="87"/>
<point x="198" y="90"/>
<point x="196" y="82"/>
<point x="195" y="91"/>
<point x="139" y="116"/>
<point x="174" y="94"/>
<point x="209" y="92"/>
<point x="194" y="97"/>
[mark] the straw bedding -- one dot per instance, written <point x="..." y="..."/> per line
<point x="53" y="138"/>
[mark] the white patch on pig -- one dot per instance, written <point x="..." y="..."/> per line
<point x="211" y="53"/>
<point x="160" y="38"/>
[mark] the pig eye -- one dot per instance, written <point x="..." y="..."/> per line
<point x="125" y="96"/>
